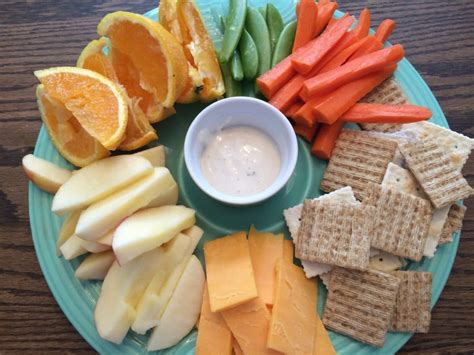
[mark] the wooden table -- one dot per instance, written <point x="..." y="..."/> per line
<point x="439" y="41"/>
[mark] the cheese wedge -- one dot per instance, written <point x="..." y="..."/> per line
<point x="293" y="321"/>
<point x="322" y="342"/>
<point x="288" y="251"/>
<point x="230" y="277"/>
<point x="265" y="249"/>
<point x="249" y="324"/>
<point x="214" y="337"/>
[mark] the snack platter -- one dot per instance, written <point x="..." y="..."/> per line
<point x="78" y="298"/>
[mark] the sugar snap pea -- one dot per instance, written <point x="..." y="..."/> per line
<point x="248" y="88"/>
<point x="248" y="55"/>
<point x="275" y="24"/>
<point x="232" y="87"/>
<point x="263" y="11"/>
<point x="257" y="28"/>
<point x="233" y="29"/>
<point x="236" y="66"/>
<point x="284" y="43"/>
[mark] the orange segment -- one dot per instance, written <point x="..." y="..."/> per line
<point x="67" y="135"/>
<point x="154" y="60"/>
<point x="95" y="101"/>
<point x="183" y="20"/>
<point x="139" y="131"/>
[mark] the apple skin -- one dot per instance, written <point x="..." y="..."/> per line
<point x="183" y="309"/>
<point x="99" y="180"/>
<point x="156" y="156"/>
<point x="47" y="176"/>
<point x="95" y="266"/>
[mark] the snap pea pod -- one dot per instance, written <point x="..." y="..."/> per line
<point x="236" y="66"/>
<point x="248" y="55"/>
<point x="285" y="43"/>
<point x="257" y="28"/>
<point x="233" y="29"/>
<point x="232" y="87"/>
<point x="263" y="11"/>
<point x="275" y="24"/>
<point x="248" y="88"/>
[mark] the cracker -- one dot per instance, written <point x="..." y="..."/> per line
<point x="385" y="262"/>
<point x="453" y="223"/>
<point x="358" y="158"/>
<point x="412" y="309"/>
<point x="401" y="221"/>
<point x="360" y="304"/>
<point x="457" y="146"/>
<point x="335" y="233"/>
<point x="389" y="92"/>
<point x="435" y="172"/>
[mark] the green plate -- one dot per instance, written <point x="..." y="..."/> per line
<point x="77" y="298"/>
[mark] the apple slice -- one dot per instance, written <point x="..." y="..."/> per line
<point x="156" y="156"/>
<point x="92" y="246"/>
<point x="183" y="309"/>
<point x="157" y="294"/>
<point x="99" y="180"/>
<point x="148" y="229"/>
<point x="166" y="198"/>
<point x="72" y="248"/>
<point x="107" y="238"/>
<point x="47" y="176"/>
<point x="95" y="266"/>
<point x="106" y="214"/>
<point x="67" y="229"/>
<point x="124" y="285"/>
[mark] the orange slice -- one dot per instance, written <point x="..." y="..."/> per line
<point x="148" y="61"/>
<point x="67" y="135"/>
<point x="98" y="104"/>
<point x="139" y="131"/>
<point x="183" y="20"/>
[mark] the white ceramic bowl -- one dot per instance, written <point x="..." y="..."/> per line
<point x="240" y="111"/>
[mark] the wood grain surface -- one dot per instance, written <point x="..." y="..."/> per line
<point x="439" y="40"/>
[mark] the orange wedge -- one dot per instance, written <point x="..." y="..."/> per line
<point x="98" y="104"/>
<point x="67" y="135"/>
<point x="139" y="131"/>
<point x="148" y="60"/>
<point x="183" y="20"/>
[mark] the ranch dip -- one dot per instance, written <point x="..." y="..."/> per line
<point x="240" y="161"/>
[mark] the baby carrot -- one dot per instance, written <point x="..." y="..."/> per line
<point x="325" y="13"/>
<point x="310" y="55"/>
<point x="326" y="139"/>
<point x="352" y="70"/>
<point x="384" y="30"/>
<point x="306" y="23"/>
<point x="342" y="99"/>
<point x="307" y="133"/>
<point x="378" y="113"/>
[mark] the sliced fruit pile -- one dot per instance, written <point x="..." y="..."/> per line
<point x="128" y="79"/>
<point x="123" y="211"/>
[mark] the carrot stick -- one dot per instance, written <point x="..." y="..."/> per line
<point x="325" y="13"/>
<point x="333" y="20"/>
<point x="372" y="45"/>
<point x="377" y="113"/>
<point x="271" y="81"/>
<point x="385" y="29"/>
<point x="363" y="24"/>
<point x="342" y="99"/>
<point x="324" y="2"/>
<point x="342" y="57"/>
<point x="288" y="94"/>
<point x="307" y="133"/>
<point x="294" y="108"/>
<point x="311" y="54"/>
<point x="305" y="115"/>
<point x="352" y="70"/>
<point x="306" y="23"/>
<point x="326" y="139"/>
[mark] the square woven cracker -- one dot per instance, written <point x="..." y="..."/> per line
<point x="412" y="310"/>
<point x="435" y="172"/>
<point x="358" y="158"/>
<point x="401" y="221"/>
<point x="453" y="223"/>
<point x="360" y="304"/>
<point x="335" y="233"/>
<point x="389" y="92"/>
<point x="457" y="146"/>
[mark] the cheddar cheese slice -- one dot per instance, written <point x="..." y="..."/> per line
<point x="288" y="251"/>
<point x="322" y="342"/>
<point x="230" y="277"/>
<point x="293" y="321"/>
<point x="214" y="337"/>
<point x="265" y="250"/>
<point x="249" y="325"/>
